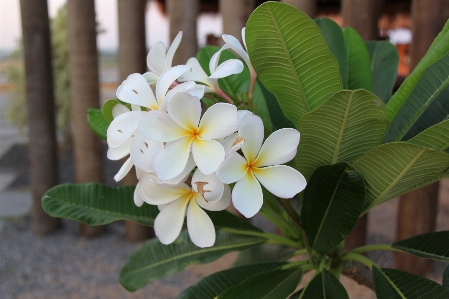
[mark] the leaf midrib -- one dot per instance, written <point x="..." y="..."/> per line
<point x="425" y="253"/>
<point x="342" y="130"/>
<point x="398" y="291"/>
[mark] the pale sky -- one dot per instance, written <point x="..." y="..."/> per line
<point x="10" y="28"/>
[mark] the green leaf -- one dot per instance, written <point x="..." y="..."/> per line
<point x="324" y="286"/>
<point x="335" y="41"/>
<point x="226" y="219"/>
<point x="346" y="126"/>
<point x="446" y="278"/>
<point x="395" y="284"/>
<point x="97" y="122"/>
<point x="107" y="109"/>
<point x="432" y="81"/>
<point x="291" y="58"/>
<point x="235" y="85"/>
<point x="438" y="49"/>
<point x="384" y="66"/>
<point x="213" y="285"/>
<point x="96" y="204"/>
<point x="435" y="137"/>
<point x="274" y="284"/>
<point x="333" y="200"/>
<point x="154" y="260"/>
<point x="359" y="63"/>
<point x="430" y="245"/>
<point x="396" y="168"/>
<point x="264" y="253"/>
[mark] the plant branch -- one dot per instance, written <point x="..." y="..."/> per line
<point x="359" y="273"/>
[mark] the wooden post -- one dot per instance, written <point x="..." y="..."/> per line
<point x="132" y="59"/>
<point x="418" y="209"/>
<point x="362" y="15"/>
<point x="84" y="94"/>
<point x="235" y="13"/>
<point x="309" y="7"/>
<point x="183" y="16"/>
<point x="40" y="102"/>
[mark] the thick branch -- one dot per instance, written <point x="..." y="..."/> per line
<point x="359" y="273"/>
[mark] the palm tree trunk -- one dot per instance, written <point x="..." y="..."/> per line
<point x="362" y="15"/>
<point x="84" y="94"/>
<point x="309" y="7"/>
<point x="40" y="104"/>
<point x="132" y="59"/>
<point x="235" y="13"/>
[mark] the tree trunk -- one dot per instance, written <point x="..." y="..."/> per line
<point x="309" y="7"/>
<point x="418" y="209"/>
<point x="132" y="59"/>
<point x="40" y="103"/>
<point x="183" y="16"/>
<point x="235" y="13"/>
<point x="84" y="94"/>
<point x="362" y="15"/>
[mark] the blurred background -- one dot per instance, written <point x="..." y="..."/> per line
<point x="57" y="59"/>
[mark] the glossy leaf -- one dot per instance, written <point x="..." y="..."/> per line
<point x="154" y="260"/>
<point x="433" y="80"/>
<point x="396" y="284"/>
<point x="335" y="41"/>
<point x="346" y="126"/>
<point x="213" y="285"/>
<point x="384" y="66"/>
<point x="396" y="168"/>
<point x="291" y="58"/>
<point x="359" y="63"/>
<point x="96" y="204"/>
<point x="274" y="284"/>
<point x="107" y="107"/>
<point x="264" y="253"/>
<point x="333" y="200"/>
<point x="324" y="286"/>
<point x="430" y="245"/>
<point x="97" y="122"/>
<point x="446" y="278"/>
<point x="435" y="137"/>
<point x="438" y="49"/>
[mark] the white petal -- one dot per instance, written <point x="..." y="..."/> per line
<point x="219" y="121"/>
<point x="123" y="171"/>
<point x="171" y="51"/>
<point x="227" y="68"/>
<point x="173" y="159"/>
<point x="136" y="90"/>
<point x="220" y="205"/>
<point x="247" y="195"/>
<point x="159" y="194"/>
<point x="281" y="180"/>
<point x="169" y="221"/>
<point x="159" y="126"/>
<point x="121" y="151"/>
<point x="195" y="73"/>
<point x="244" y="37"/>
<point x="144" y="151"/>
<point x="182" y="177"/>
<point x="119" y="109"/>
<point x="161" y="207"/>
<point x="185" y="110"/>
<point x="208" y="155"/>
<point x="156" y="58"/>
<point x="122" y="127"/>
<point x="236" y="46"/>
<point x="183" y="87"/>
<point x="280" y="147"/>
<point x="232" y="143"/>
<point x="201" y="229"/>
<point x="240" y="113"/>
<point x="138" y="199"/>
<point x="198" y="91"/>
<point x="251" y="129"/>
<point x="209" y="186"/>
<point x="213" y="62"/>
<point x="232" y="169"/>
<point x="151" y="77"/>
<point x="166" y="80"/>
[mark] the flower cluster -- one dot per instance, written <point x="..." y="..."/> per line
<point x="162" y="127"/>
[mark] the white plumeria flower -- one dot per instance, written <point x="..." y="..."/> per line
<point x="136" y="90"/>
<point x="160" y="59"/>
<point x="178" y="201"/>
<point x="197" y="74"/>
<point x="260" y="166"/>
<point x="235" y="45"/>
<point x="187" y="133"/>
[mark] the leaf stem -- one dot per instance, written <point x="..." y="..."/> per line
<point x="224" y="96"/>
<point x="300" y="252"/>
<point x="358" y="258"/>
<point x="296" y="264"/>
<point x="290" y="211"/>
<point x="374" y="247"/>
<point x="277" y="220"/>
<point x="272" y="238"/>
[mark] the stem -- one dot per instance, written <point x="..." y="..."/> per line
<point x="296" y="264"/>
<point x="300" y="251"/>
<point x="277" y="220"/>
<point x="290" y="211"/>
<point x="308" y="248"/>
<point x="359" y="273"/>
<point x="252" y="81"/>
<point x="223" y="95"/>
<point x="374" y="247"/>
<point x="272" y="238"/>
<point x="358" y="258"/>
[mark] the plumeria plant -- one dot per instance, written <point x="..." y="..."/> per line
<point x="298" y="124"/>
